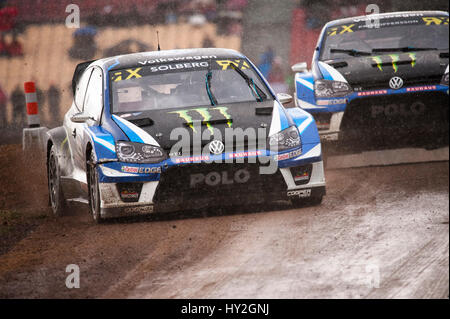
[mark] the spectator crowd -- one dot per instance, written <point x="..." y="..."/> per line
<point x="10" y="46"/>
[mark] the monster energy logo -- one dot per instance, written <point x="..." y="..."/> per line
<point x="378" y="61"/>
<point x="413" y="58"/>
<point x="395" y="58"/>
<point x="206" y="116"/>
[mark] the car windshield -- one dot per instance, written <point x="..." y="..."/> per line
<point x="185" y="84"/>
<point x="395" y="34"/>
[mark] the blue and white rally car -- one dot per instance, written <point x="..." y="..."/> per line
<point x="379" y="81"/>
<point x="178" y="129"/>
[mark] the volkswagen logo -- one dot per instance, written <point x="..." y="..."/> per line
<point x="396" y="83"/>
<point x="216" y="147"/>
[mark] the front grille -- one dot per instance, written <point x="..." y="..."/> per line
<point x="240" y="145"/>
<point x="399" y="117"/>
<point x="190" y="181"/>
<point x="378" y="85"/>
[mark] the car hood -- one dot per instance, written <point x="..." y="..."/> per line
<point x="160" y="124"/>
<point x="376" y="71"/>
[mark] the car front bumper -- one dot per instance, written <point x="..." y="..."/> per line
<point x="181" y="188"/>
<point x="388" y="114"/>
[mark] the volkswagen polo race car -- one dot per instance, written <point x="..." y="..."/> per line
<point x="380" y="81"/>
<point x="168" y="130"/>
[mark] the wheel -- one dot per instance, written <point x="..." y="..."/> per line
<point x="94" y="192"/>
<point x="56" y="196"/>
<point x="303" y="202"/>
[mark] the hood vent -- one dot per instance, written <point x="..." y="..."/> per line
<point x="143" y="122"/>
<point x="264" y="110"/>
<point x="338" y="65"/>
<point x="209" y="122"/>
<point x="404" y="62"/>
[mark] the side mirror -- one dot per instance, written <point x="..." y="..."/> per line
<point x="284" y="98"/>
<point x="81" y="118"/>
<point x="300" y="67"/>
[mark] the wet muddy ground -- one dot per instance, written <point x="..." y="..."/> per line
<point x="381" y="232"/>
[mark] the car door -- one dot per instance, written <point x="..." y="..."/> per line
<point x="92" y="107"/>
<point x="93" y="102"/>
<point x="75" y="130"/>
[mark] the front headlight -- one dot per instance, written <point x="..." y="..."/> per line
<point x="327" y="88"/>
<point x="131" y="152"/>
<point x="444" y="80"/>
<point x="284" y="140"/>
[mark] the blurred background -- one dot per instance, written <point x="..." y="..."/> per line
<point x="36" y="45"/>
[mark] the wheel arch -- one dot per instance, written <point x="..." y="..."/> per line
<point x="58" y="138"/>
<point x="89" y="150"/>
<point x="48" y="149"/>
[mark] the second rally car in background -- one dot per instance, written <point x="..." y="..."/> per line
<point x="380" y="81"/>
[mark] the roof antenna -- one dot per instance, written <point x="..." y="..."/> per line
<point x="157" y="36"/>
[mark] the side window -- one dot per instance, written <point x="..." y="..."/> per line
<point x="81" y="89"/>
<point x="93" y="103"/>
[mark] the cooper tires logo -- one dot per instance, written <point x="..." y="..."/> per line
<point x="241" y="176"/>
<point x="216" y="147"/>
<point x="302" y="193"/>
<point x="396" y="83"/>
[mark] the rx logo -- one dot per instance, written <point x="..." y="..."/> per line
<point x="130" y="74"/>
<point x="340" y="29"/>
<point x="226" y="64"/>
<point x="395" y="83"/>
<point x="216" y="147"/>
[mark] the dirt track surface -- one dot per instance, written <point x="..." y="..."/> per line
<point x="380" y="233"/>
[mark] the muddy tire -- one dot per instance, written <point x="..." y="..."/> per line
<point x="56" y="196"/>
<point x="94" y="192"/>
